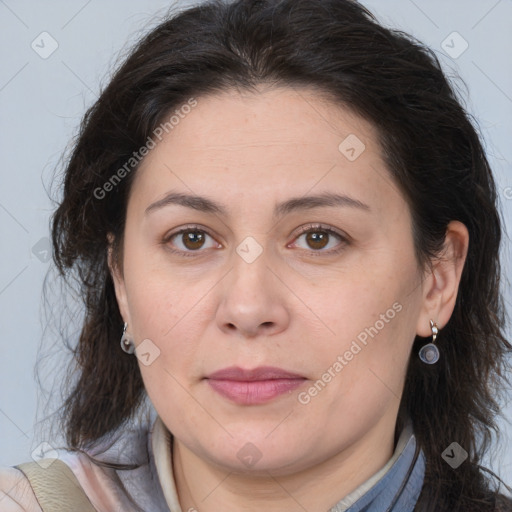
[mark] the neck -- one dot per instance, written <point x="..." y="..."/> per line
<point x="205" y="487"/>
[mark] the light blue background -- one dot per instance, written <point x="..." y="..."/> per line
<point x="43" y="100"/>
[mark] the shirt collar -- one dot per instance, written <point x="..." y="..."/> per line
<point x="162" y="452"/>
<point x="394" y="488"/>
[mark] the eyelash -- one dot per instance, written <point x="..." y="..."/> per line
<point x="312" y="228"/>
<point x="303" y="230"/>
<point x="185" y="229"/>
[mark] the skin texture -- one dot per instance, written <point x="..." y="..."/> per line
<point x="16" y="495"/>
<point x="297" y="306"/>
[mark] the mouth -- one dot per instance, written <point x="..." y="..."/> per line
<point x="255" y="386"/>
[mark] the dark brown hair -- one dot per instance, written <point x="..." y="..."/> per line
<point x="432" y="151"/>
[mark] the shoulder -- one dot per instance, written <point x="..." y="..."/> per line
<point x="16" y="494"/>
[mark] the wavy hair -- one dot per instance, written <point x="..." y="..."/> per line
<point x="432" y="150"/>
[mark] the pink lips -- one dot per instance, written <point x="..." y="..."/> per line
<point x="253" y="386"/>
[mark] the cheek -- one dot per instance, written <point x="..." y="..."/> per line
<point x="360" y="304"/>
<point x="368" y="324"/>
<point x="160" y="296"/>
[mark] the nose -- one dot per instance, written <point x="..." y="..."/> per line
<point x="254" y="301"/>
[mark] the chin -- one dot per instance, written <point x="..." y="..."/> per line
<point x="258" y="457"/>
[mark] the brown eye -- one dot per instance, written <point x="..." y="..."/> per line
<point x="188" y="240"/>
<point x="193" y="239"/>
<point x="317" y="239"/>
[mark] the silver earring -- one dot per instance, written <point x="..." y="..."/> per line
<point x="126" y="342"/>
<point x="429" y="353"/>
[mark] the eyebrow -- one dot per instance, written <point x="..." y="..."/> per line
<point x="204" y="204"/>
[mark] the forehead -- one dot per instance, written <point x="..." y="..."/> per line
<point x="269" y="144"/>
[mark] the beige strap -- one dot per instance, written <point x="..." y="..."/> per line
<point x="55" y="486"/>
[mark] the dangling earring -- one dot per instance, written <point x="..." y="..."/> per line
<point x="429" y="353"/>
<point x="126" y="342"/>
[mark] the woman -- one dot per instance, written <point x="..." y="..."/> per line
<point x="285" y="214"/>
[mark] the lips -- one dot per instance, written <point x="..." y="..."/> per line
<point x="260" y="373"/>
<point x="255" y="386"/>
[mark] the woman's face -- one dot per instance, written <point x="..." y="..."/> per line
<point x="334" y="309"/>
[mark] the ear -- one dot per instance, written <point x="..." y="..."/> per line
<point x="441" y="282"/>
<point x="119" y="284"/>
